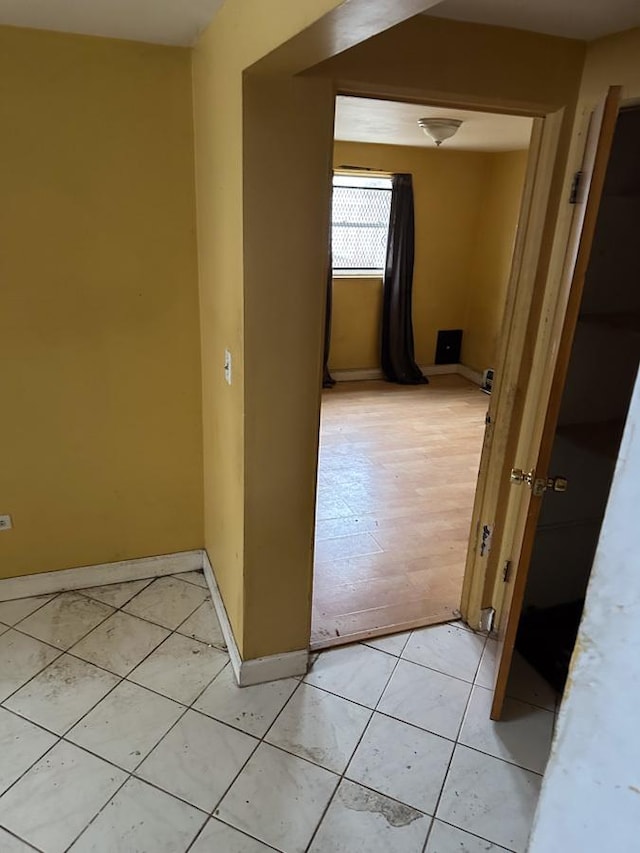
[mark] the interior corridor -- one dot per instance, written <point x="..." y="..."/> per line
<point x="397" y="476"/>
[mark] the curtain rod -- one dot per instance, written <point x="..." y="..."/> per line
<point x="375" y="173"/>
<point x="362" y="169"/>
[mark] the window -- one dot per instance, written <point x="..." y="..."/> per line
<point x="359" y="223"/>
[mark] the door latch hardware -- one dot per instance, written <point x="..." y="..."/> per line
<point x="552" y="484"/>
<point x="519" y="476"/>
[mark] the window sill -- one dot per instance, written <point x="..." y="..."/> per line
<point x="359" y="274"/>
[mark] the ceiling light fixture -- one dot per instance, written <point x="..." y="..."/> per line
<point x="439" y="129"/>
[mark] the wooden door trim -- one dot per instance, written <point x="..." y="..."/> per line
<point x="506" y="404"/>
<point x="529" y="506"/>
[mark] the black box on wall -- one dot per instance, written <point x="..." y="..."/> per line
<point x="448" y="346"/>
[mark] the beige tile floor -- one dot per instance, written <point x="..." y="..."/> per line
<point x="121" y="729"/>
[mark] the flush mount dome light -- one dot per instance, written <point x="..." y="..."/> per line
<point x="439" y="129"/>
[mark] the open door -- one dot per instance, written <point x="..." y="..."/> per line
<point x="587" y="196"/>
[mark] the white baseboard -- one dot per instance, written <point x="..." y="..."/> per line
<point x="474" y="376"/>
<point x="247" y="672"/>
<point x="223" y="619"/>
<point x="368" y="373"/>
<point x="438" y="369"/>
<point x="358" y="374"/>
<point x="83" y="577"/>
<point x="274" y="667"/>
<point x="257" y="670"/>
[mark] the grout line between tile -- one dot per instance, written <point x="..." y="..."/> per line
<point x="60" y="738"/>
<point x="235" y="828"/>
<point x="131" y="774"/>
<point x="86" y="594"/>
<point x="475" y="835"/>
<point x="39" y="607"/>
<point x="440" y="671"/>
<point x="343" y="774"/>
<point x="453" y="752"/>
<point x="33" y="763"/>
<point x="139" y="592"/>
<point x="120" y="678"/>
<point x="261" y="740"/>
<point x="166" y="627"/>
<point x="516" y="699"/>
<point x="75" y="642"/>
<point x="36" y="674"/>
<point x="186" y="707"/>
<point x="69" y="651"/>
<point x="113" y="795"/>
<point x="498" y="758"/>
<point x="22" y="840"/>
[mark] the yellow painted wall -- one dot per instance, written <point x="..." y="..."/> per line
<point x="259" y="508"/>
<point x="355" y="323"/>
<point x="612" y="61"/>
<point x="100" y="423"/>
<point x="288" y="124"/>
<point x="466" y="209"/>
<point x="241" y="33"/>
<point x="491" y="257"/>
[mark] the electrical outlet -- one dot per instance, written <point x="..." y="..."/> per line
<point x="227" y="366"/>
<point x="5" y="522"/>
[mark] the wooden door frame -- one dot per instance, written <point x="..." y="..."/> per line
<point x="506" y="401"/>
<point x="512" y="377"/>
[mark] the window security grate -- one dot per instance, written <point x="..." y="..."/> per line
<point x="360" y="224"/>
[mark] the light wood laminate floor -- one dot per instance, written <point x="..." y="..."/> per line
<point x="396" y="482"/>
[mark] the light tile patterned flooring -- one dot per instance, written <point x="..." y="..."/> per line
<point x="121" y="729"/>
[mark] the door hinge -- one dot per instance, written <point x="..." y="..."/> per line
<point x="487" y="419"/>
<point x="575" y="188"/>
<point x="506" y="572"/>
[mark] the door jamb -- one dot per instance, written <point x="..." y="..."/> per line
<point x="505" y="408"/>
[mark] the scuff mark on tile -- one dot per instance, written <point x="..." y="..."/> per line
<point x="396" y="814"/>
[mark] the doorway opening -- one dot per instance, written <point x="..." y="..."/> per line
<point x="398" y="464"/>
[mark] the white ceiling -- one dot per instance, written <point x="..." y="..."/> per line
<point x="393" y="123"/>
<point x="579" y="19"/>
<point x="159" y="21"/>
<point x="181" y="21"/>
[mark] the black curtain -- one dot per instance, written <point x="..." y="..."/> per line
<point x="327" y="380"/>
<point x="397" y="349"/>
